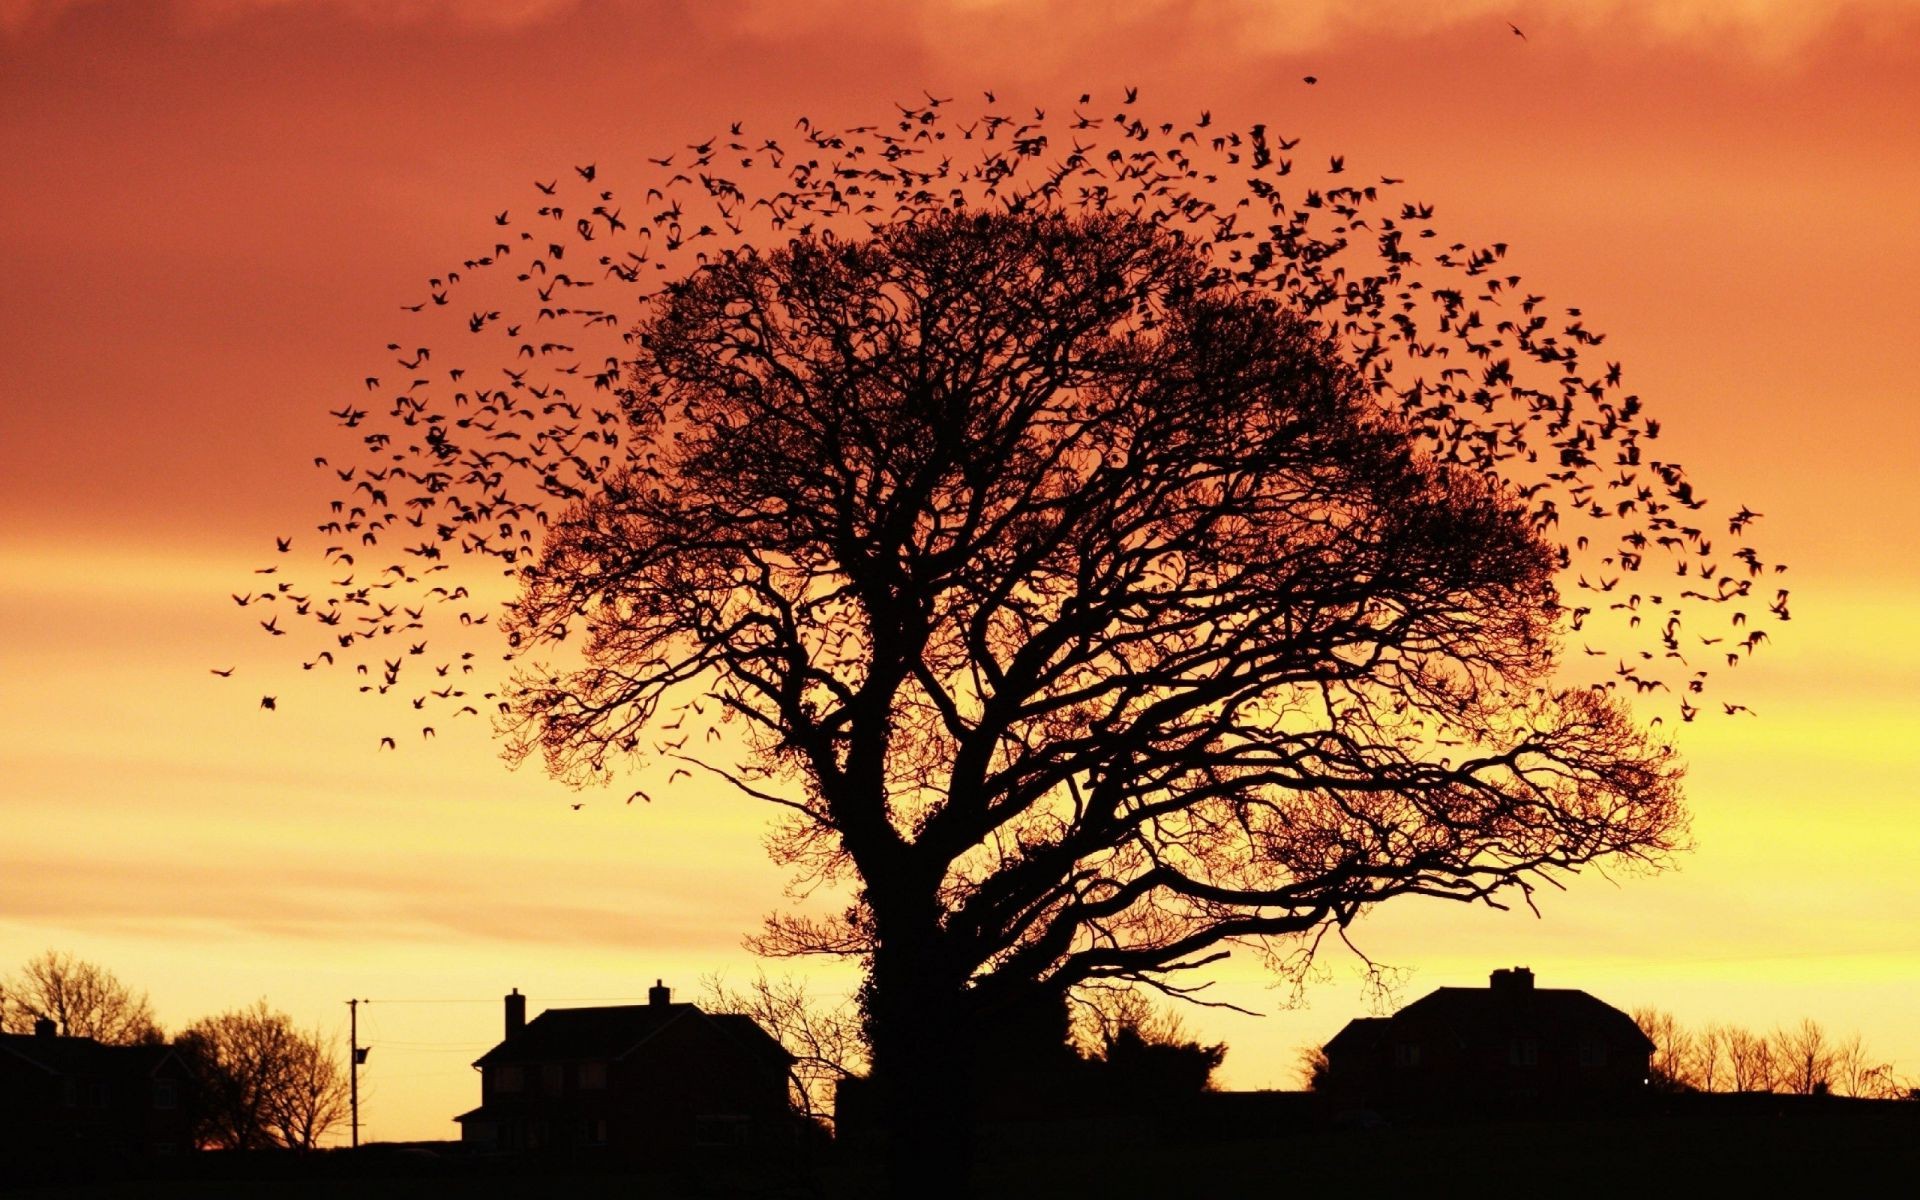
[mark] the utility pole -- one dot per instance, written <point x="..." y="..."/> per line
<point x="359" y="1055"/>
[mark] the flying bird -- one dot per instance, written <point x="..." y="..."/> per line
<point x="1516" y="31"/>
<point x="270" y="703"/>
<point x="226" y="674"/>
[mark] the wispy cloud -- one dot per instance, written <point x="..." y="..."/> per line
<point x="1766" y="29"/>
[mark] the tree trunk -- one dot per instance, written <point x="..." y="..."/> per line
<point x="922" y="1073"/>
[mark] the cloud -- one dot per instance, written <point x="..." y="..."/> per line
<point x="1765" y="29"/>
<point x="27" y="16"/>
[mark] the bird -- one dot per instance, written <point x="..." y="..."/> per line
<point x="226" y="674"/>
<point x="1309" y="80"/>
<point x="1516" y="31"/>
<point x="270" y="703"/>
<point x="387" y="743"/>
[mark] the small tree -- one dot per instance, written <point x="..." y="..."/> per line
<point x="1674" y="1052"/>
<point x="1710" y="1058"/>
<point x="1313" y="1067"/>
<point x="262" y="1083"/>
<point x="1803" y="1059"/>
<point x="1749" y="1061"/>
<point x="825" y="1040"/>
<point x="80" y="998"/>
<point x="1137" y="1049"/>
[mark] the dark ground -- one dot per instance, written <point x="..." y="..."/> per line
<point x="1765" y="1146"/>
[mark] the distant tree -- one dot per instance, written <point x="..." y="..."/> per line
<point x="1673" y="1065"/>
<point x="262" y="1083"/>
<point x="1312" y="1067"/>
<point x="1749" y="1061"/>
<point x="826" y="1041"/>
<point x="1802" y="1059"/>
<point x="1139" y="1050"/>
<point x="1710" y="1058"/>
<point x="80" y="998"/>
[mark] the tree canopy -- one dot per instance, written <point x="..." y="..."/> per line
<point x="82" y="999"/>
<point x="1086" y="603"/>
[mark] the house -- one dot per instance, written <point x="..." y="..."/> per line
<point x="1507" y="1047"/>
<point x="67" y="1100"/>
<point x="653" y="1080"/>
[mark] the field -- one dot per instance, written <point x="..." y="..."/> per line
<point x="1768" y="1146"/>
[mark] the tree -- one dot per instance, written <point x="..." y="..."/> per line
<point x="1673" y="1066"/>
<point x="1086" y="612"/>
<point x="1802" y="1058"/>
<point x="1116" y="554"/>
<point x="1313" y="1067"/>
<point x="262" y="1083"/>
<point x="1749" y="1061"/>
<point x="80" y="998"/>
<point x="826" y="1041"/>
<point x="1138" y="1051"/>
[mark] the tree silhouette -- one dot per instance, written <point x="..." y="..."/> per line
<point x="260" y="1082"/>
<point x="1087" y="612"/>
<point x="1108" y="555"/>
<point x="80" y="998"/>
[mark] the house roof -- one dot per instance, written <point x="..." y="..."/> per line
<point x="1473" y="1016"/>
<point x="83" y="1056"/>
<point x="611" y="1033"/>
<point x="1361" y="1031"/>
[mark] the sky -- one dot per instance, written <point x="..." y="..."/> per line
<point x="212" y="210"/>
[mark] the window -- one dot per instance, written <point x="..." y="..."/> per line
<point x="553" y="1077"/>
<point x="508" y="1079"/>
<point x="1406" y="1054"/>
<point x="594" y="1132"/>
<point x="593" y="1075"/>
<point x="164" y="1095"/>
<point x="1593" y="1054"/>
<point x="720" y="1130"/>
<point x="1523" y="1052"/>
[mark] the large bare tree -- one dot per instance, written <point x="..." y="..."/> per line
<point x="1114" y="548"/>
<point x="1084" y="611"/>
<point x="80" y="998"/>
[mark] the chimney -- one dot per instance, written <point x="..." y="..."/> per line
<point x="516" y="1012"/>
<point x="43" y="1027"/>
<point x="659" y="994"/>
<point x="1511" y="979"/>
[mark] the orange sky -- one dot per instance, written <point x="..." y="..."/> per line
<point x="212" y="209"/>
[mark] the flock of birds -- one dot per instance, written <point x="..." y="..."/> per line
<point x="465" y="452"/>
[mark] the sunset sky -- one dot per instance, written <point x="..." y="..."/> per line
<point x="212" y="211"/>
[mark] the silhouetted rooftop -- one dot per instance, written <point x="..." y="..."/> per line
<point x="613" y="1032"/>
<point x="82" y="1055"/>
